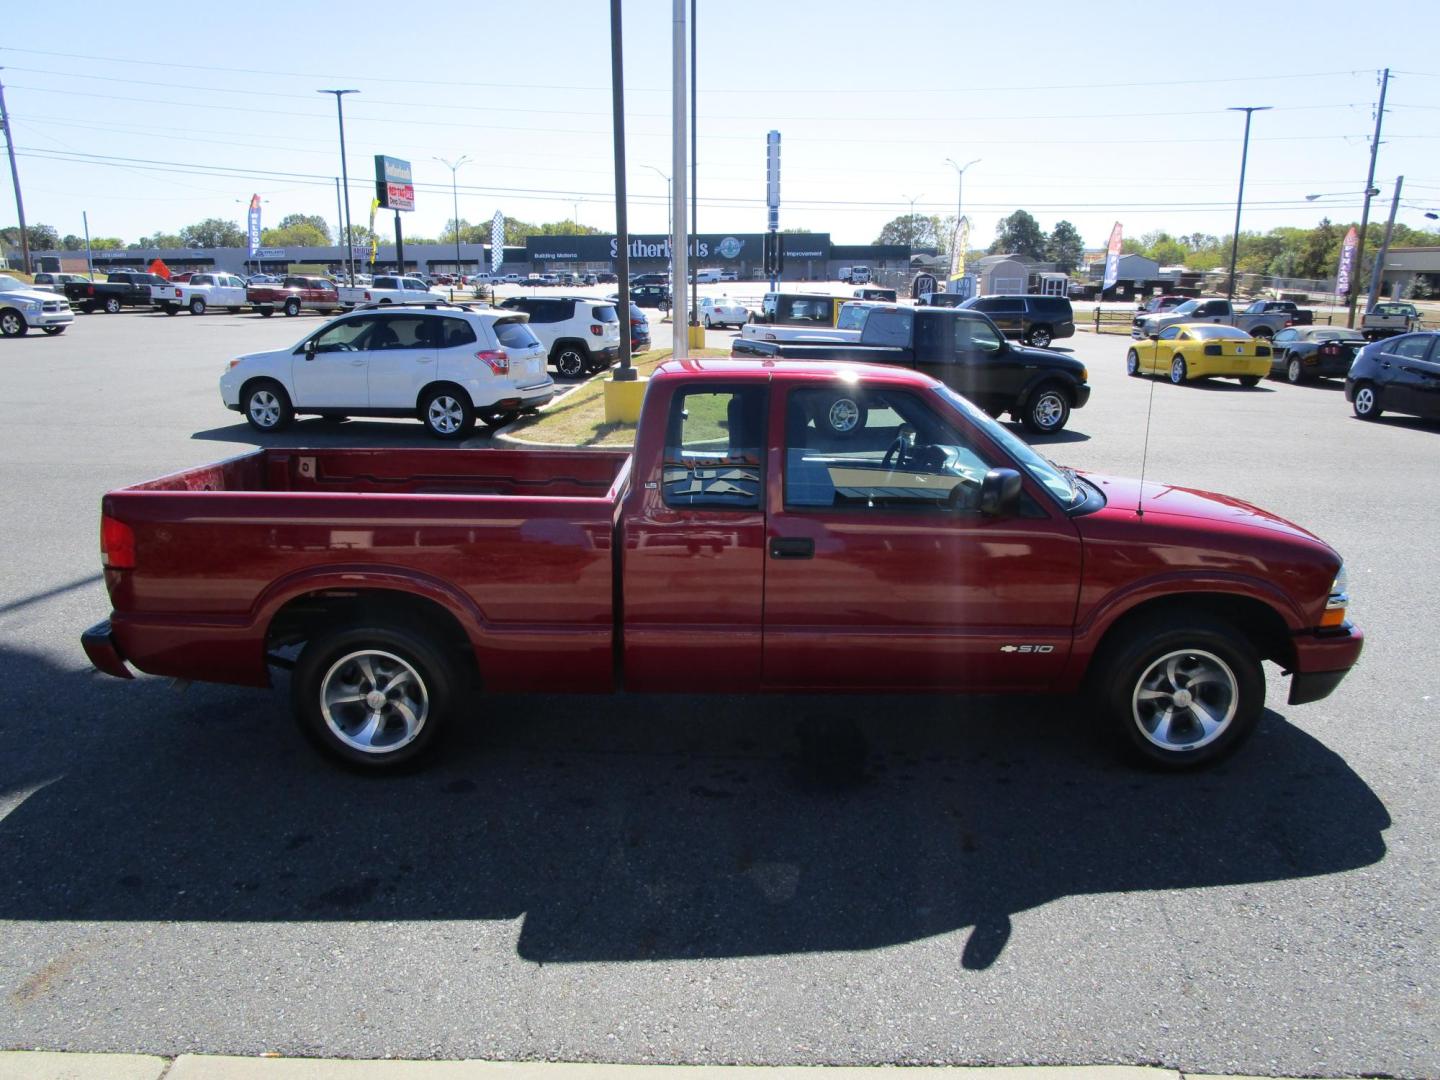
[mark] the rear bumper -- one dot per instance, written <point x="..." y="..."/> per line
<point x="1322" y="660"/>
<point x="100" y="647"/>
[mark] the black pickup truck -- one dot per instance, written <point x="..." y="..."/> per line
<point x="120" y="289"/>
<point x="965" y="351"/>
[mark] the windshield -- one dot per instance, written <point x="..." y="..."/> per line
<point x="1059" y="482"/>
<point x="1186" y="307"/>
<point x="1209" y="330"/>
<point x="10" y="284"/>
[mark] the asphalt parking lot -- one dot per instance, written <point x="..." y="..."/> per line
<point x="813" y="880"/>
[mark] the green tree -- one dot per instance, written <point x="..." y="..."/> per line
<point x="1065" y="247"/>
<point x="917" y="230"/>
<point x="158" y="240"/>
<point x="40" y="237"/>
<point x="105" y="243"/>
<point x="313" y="221"/>
<point x="71" y="242"/>
<point x="1019" y="234"/>
<point x="298" y="234"/>
<point x="212" y="233"/>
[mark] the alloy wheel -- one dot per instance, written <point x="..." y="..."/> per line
<point x="264" y="408"/>
<point x="1185" y="700"/>
<point x="374" y="701"/>
<point x="445" y="414"/>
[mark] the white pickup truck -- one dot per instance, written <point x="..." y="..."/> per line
<point x="388" y="289"/>
<point x="200" y="292"/>
<point x="1389" y="318"/>
<point x="848" y="325"/>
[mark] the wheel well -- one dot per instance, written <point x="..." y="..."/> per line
<point x="442" y="384"/>
<point x="1255" y="620"/>
<point x="554" y="349"/>
<point x="306" y="615"/>
<point x="253" y="380"/>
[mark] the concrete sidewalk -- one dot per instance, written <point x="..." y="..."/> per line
<point x="44" y="1065"/>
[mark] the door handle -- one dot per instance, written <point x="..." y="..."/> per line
<point x="792" y="547"/>
<point x="357" y="363"/>
<point x="425" y="359"/>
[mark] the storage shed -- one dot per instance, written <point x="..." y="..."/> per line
<point x="1000" y="274"/>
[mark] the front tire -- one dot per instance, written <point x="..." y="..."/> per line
<point x="374" y="696"/>
<point x="13" y="324"/>
<point x="266" y="406"/>
<point x="1048" y="411"/>
<point x="1178" y="371"/>
<point x="1180" y="691"/>
<point x="447" y="414"/>
<point x="53" y="330"/>
<point x="1367" y="402"/>
<point x="1132" y="363"/>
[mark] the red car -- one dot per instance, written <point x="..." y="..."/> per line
<point x="293" y="295"/>
<point x="750" y="544"/>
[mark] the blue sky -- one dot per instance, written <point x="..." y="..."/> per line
<point x="150" y="119"/>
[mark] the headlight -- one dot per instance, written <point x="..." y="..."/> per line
<point x="1337" y="601"/>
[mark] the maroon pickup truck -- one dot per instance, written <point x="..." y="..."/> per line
<point x="747" y="545"/>
<point x="293" y="295"/>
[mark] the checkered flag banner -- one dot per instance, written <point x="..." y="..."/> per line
<point x="497" y="241"/>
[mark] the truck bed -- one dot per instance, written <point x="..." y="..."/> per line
<point x="517" y="547"/>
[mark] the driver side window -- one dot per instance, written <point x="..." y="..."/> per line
<point x="851" y="449"/>
<point x="346" y="336"/>
<point x="1170" y="333"/>
<point x="975" y="336"/>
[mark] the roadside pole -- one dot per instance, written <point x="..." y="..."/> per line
<point x="1369" y="189"/>
<point x="1377" y="269"/>
<point x="625" y="389"/>
<point x="680" y="239"/>
<point x="89" y="262"/>
<point x="15" y="178"/>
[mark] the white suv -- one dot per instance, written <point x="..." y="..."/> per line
<point x="580" y="333"/>
<point x="446" y="365"/>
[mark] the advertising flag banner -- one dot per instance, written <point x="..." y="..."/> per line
<point x="1347" y="263"/>
<point x="497" y="241"/>
<point x="959" y="244"/>
<point x="159" y="269"/>
<point x="1112" y="258"/>
<point x="394" y="186"/>
<point x="374" y="237"/>
<point x="253" y="225"/>
<point x="772" y="178"/>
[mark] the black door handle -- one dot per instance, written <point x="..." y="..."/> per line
<point x="792" y="547"/>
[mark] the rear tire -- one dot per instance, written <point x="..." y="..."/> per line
<point x="292" y="307"/>
<point x="1178" y="691"/>
<point x="447" y="414"/>
<point x="1249" y="380"/>
<point x="1039" y="336"/>
<point x="1179" y="372"/>
<point x="197" y="306"/>
<point x="1367" y="402"/>
<point x="171" y="309"/>
<point x="572" y="361"/>
<point x="374" y="696"/>
<point x="112" y="306"/>
<point x="266" y="405"/>
<point x="497" y="418"/>
<point x="1294" y="371"/>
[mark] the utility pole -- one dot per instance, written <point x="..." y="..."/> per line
<point x="680" y="240"/>
<point x="626" y="372"/>
<point x="694" y="182"/>
<point x="345" y="178"/>
<point x="89" y="262"/>
<point x="960" y="184"/>
<point x="1369" y="187"/>
<point x="340" y="225"/>
<point x="1248" y="110"/>
<point x="15" y="176"/>
<point x="455" y="202"/>
<point x="1377" y="269"/>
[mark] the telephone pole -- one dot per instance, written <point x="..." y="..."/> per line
<point x="1369" y="187"/>
<point x="1377" y="268"/>
<point x="15" y="176"/>
<point x="1249" y="111"/>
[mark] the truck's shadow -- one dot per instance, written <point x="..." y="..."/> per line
<point x="638" y="828"/>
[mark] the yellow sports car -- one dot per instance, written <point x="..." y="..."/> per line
<point x="1199" y="351"/>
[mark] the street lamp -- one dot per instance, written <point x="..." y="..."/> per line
<point x="669" y="213"/>
<point x="345" y="177"/>
<point x="455" y="202"/>
<point x="959" y="182"/>
<point x="1341" y="194"/>
<point x="910" y="221"/>
<point x="1248" y="110"/>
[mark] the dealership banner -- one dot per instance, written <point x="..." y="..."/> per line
<point x="394" y="186"/>
<point x="959" y="244"/>
<point x="253" y="226"/>
<point x="772" y="178"/>
<point x="1347" y="263"/>
<point x="497" y="241"/>
<point x="374" y="237"/>
<point x="1112" y="257"/>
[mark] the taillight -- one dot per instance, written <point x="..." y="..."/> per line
<point x="89" y="290"/>
<point x="498" y="360"/>
<point x="597" y="329"/>
<point x="117" y="544"/>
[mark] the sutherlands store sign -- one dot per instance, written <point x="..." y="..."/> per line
<point x="715" y="249"/>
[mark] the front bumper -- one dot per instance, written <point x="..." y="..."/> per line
<point x="1322" y="659"/>
<point x="41" y="319"/>
<point x="1082" y="395"/>
<point x="100" y="647"/>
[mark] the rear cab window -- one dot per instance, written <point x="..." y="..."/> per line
<point x="714" y="448"/>
<point x="515" y="334"/>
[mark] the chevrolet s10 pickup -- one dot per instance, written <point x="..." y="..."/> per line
<point x="747" y="545"/>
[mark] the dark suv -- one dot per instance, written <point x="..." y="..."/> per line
<point x="1037" y="320"/>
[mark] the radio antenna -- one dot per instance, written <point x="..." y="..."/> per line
<point x="1145" y="453"/>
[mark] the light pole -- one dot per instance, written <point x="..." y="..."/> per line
<point x="669" y="213"/>
<point x="1248" y="110"/>
<point x="455" y="202"/>
<point x="345" y="178"/>
<point x="910" y="221"/>
<point x="959" y="183"/>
